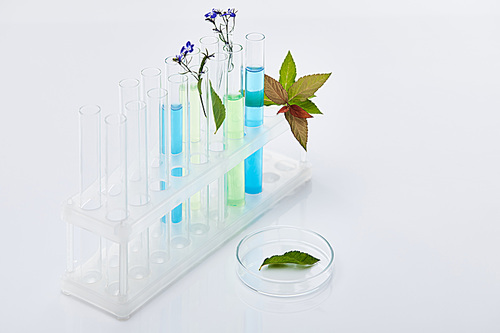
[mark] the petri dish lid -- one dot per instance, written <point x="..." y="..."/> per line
<point x="283" y="280"/>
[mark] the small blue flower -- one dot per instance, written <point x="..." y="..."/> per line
<point x="212" y="14"/>
<point x="183" y="50"/>
<point x="230" y="12"/>
<point x="189" y="47"/>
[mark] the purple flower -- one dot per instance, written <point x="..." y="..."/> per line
<point x="231" y="12"/>
<point x="212" y="14"/>
<point x="178" y="58"/>
<point x="189" y="47"/>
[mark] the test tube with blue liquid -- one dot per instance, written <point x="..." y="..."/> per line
<point x="254" y="106"/>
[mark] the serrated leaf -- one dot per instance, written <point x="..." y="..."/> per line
<point x="267" y="101"/>
<point x="299" y="128"/>
<point x="291" y="257"/>
<point x="299" y="112"/>
<point x="306" y="86"/>
<point x="275" y="91"/>
<point x="309" y="107"/>
<point x="288" y="71"/>
<point x="218" y="108"/>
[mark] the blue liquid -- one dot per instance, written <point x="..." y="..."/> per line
<point x="254" y="117"/>
<point x="176" y="128"/>
<point x="253" y="173"/>
<point x="176" y="148"/>
<point x="177" y="211"/>
<point x="163" y="150"/>
<point x="254" y="96"/>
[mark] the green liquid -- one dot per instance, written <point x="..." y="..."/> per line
<point x="196" y="201"/>
<point x="235" y="117"/>
<point x="236" y="185"/>
<point x="194" y="110"/>
<point x="195" y="105"/>
<point x="236" y="177"/>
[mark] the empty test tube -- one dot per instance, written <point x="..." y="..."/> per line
<point x="157" y="108"/>
<point x="128" y="91"/>
<point x="90" y="157"/>
<point x="116" y="167"/>
<point x="137" y="155"/>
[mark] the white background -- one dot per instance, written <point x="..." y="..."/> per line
<point x="406" y="166"/>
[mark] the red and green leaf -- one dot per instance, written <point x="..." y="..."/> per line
<point x="275" y="91"/>
<point x="299" y="128"/>
<point x="299" y="112"/>
<point x="306" y="86"/>
<point x="309" y="107"/>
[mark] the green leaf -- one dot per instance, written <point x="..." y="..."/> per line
<point x="201" y="96"/>
<point x="291" y="257"/>
<point x="218" y="109"/>
<point x="206" y="56"/>
<point x="299" y="128"/>
<point x="309" y="107"/>
<point x="288" y="71"/>
<point x="275" y="91"/>
<point x="306" y="86"/>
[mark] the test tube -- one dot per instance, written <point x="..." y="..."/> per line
<point x="218" y="80"/>
<point x="254" y="106"/>
<point x="171" y="68"/>
<point x="157" y="107"/>
<point x="116" y="167"/>
<point x="151" y="79"/>
<point x="159" y="235"/>
<point x="194" y="58"/>
<point x="234" y="129"/>
<point x="199" y="106"/>
<point x="179" y="152"/>
<point x="137" y="156"/>
<point x="210" y="43"/>
<point x="129" y="91"/>
<point x="90" y="157"/>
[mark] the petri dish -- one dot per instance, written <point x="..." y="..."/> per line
<point x="283" y="280"/>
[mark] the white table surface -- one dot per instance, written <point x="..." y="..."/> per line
<point x="406" y="166"/>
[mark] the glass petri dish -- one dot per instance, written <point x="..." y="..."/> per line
<point x="283" y="280"/>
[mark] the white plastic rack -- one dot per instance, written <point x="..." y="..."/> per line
<point x="102" y="255"/>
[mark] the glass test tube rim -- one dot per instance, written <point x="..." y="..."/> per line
<point x="151" y="72"/>
<point x="110" y="119"/>
<point x="162" y="92"/>
<point x="170" y="60"/>
<point x="209" y="37"/>
<point x="141" y="105"/>
<point x="255" y="36"/>
<point x="129" y="83"/>
<point x="235" y="45"/>
<point x="183" y="78"/>
<point x="96" y="109"/>
<point x="220" y="56"/>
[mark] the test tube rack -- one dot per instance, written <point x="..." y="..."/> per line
<point x="100" y="253"/>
